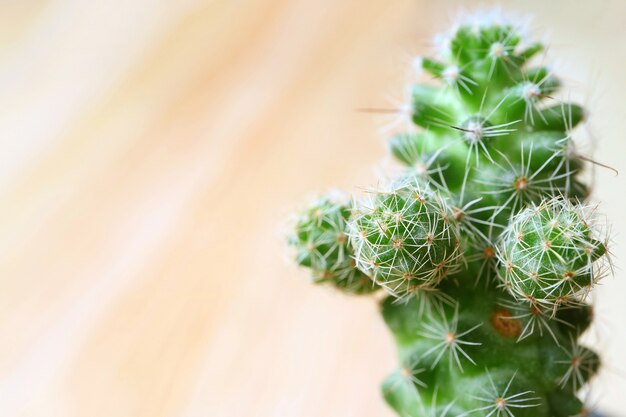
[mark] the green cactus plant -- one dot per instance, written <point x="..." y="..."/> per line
<point x="486" y="247"/>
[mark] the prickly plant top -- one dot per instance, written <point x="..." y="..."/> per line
<point x="548" y="252"/>
<point x="321" y="244"/>
<point x="404" y="238"/>
<point x="485" y="247"/>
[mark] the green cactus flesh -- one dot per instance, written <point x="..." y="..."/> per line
<point x="485" y="247"/>
<point x="404" y="238"/>
<point x="321" y="242"/>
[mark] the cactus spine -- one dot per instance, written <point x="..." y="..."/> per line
<point x="486" y="247"/>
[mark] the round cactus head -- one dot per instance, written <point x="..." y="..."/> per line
<point x="321" y="244"/>
<point x="404" y="237"/>
<point x="551" y="254"/>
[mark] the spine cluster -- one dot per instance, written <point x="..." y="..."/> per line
<point x="486" y="248"/>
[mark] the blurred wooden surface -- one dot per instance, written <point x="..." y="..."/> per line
<point x="150" y="152"/>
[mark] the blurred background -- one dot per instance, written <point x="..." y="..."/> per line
<point x="150" y="151"/>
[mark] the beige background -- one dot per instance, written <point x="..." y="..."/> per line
<point x="149" y="153"/>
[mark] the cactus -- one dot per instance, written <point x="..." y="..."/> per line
<point x="321" y="243"/>
<point x="486" y="247"/>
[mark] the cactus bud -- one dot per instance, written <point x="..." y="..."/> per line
<point x="321" y="244"/>
<point x="404" y="237"/>
<point x="549" y="253"/>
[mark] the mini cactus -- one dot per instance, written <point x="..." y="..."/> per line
<point x="548" y="253"/>
<point x="404" y="238"/>
<point x="486" y="247"/>
<point x="321" y="242"/>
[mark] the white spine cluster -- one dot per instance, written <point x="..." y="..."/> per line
<point x="552" y="253"/>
